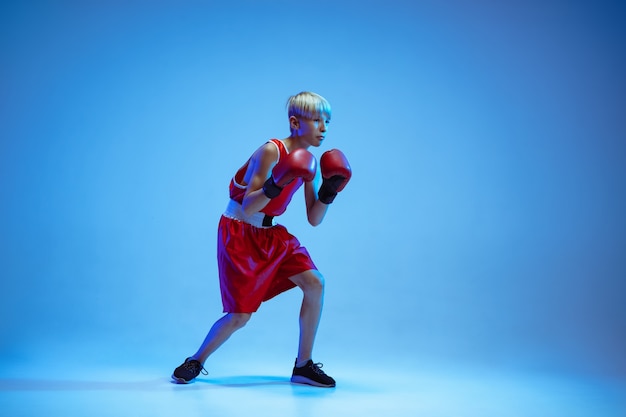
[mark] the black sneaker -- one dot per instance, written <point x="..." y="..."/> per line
<point x="312" y="374"/>
<point x="186" y="372"/>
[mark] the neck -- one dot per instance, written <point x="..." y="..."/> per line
<point x="295" y="142"/>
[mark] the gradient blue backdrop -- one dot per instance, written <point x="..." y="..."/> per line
<point x="484" y="222"/>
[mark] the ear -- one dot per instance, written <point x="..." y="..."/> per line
<point x="294" y="123"/>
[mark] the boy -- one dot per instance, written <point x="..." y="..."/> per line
<point x="259" y="259"/>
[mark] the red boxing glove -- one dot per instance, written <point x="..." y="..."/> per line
<point x="298" y="164"/>
<point x="336" y="173"/>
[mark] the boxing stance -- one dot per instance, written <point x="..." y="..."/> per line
<point x="258" y="258"/>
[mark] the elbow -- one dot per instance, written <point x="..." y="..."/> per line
<point x="316" y="213"/>
<point x="315" y="220"/>
<point x="247" y="210"/>
<point x="314" y="223"/>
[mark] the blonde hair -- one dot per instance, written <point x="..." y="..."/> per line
<point x="308" y="105"/>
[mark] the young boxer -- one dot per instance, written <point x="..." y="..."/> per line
<point x="258" y="258"/>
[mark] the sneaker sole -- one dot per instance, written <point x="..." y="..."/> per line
<point x="180" y="380"/>
<point x="297" y="379"/>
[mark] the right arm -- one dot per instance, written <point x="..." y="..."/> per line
<point x="261" y="164"/>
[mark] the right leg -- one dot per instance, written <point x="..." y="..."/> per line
<point x="219" y="333"/>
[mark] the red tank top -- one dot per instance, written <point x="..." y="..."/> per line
<point x="276" y="206"/>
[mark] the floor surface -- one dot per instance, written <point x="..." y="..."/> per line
<point x="265" y="390"/>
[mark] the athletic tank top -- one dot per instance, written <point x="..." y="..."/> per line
<point x="276" y="206"/>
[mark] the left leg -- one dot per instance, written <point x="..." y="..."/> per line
<point x="311" y="283"/>
<point x="305" y="370"/>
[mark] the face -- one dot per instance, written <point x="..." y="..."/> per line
<point x="313" y="131"/>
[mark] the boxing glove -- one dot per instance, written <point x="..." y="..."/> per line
<point x="298" y="164"/>
<point x="336" y="173"/>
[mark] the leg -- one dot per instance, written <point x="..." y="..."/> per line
<point x="219" y="333"/>
<point x="312" y="284"/>
<point x="305" y="371"/>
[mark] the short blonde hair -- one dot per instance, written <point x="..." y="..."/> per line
<point x="308" y="105"/>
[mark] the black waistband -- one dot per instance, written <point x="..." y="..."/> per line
<point x="267" y="221"/>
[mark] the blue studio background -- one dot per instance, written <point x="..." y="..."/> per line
<point x="484" y="223"/>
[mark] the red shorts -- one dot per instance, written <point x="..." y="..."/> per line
<point x="255" y="263"/>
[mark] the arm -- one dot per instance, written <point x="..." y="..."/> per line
<point x="261" y="163"/>
<point x="262" y="187"/>
<point x="315" y="209"/>
<point x="335" y="172"/>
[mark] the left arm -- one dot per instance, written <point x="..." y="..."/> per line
<point x="315" y="209"/>
<point x="335" y="172"/>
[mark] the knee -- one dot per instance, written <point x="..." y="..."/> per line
<point x="314" y="282"/>
<point x="238" y="320"/>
